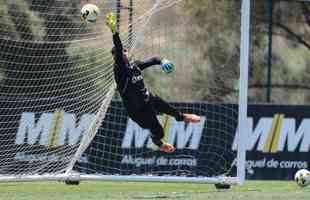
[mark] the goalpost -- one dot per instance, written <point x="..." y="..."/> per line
<point x="61" y="119"/>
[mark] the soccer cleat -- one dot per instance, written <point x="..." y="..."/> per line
<point x="168" y="148"/>
<point x="191" y="118"/>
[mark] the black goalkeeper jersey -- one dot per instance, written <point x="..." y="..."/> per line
<point x="142" y="107"/>
<point x="129" y="78"/>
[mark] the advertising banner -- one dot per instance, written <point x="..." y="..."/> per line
<point x="277" y="141"/>
<point x="205" y="148"/>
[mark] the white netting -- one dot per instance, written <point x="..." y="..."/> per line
<point x="53" y="76"/>
<point x="121" y="147"/>
<point x="57" y="83"/>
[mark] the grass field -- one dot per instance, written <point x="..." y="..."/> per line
<point x="253" y="190"/>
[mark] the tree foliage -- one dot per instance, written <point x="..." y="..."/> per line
<point x="28" y="37"/>
<point x="203" y="40"/>
<point x="216" y="33"/>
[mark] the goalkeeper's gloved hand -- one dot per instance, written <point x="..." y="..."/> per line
<point x="111" y="21"/>
<point x="167" y="66"/>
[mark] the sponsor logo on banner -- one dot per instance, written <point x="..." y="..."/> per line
<point x="277" y="134"/>
<point x="272" y="163"/>
<point x="189" y="161"/>
<point x="184" y="136"/>
<point x="52" y="129"/>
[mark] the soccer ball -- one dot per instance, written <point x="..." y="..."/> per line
<point x="90" y="13"/>
<point x="302" y="177"/>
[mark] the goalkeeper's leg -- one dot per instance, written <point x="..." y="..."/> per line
<point x="147" y="119"/>
<point x="157" y="136"/>
<point x="162" y="106"/>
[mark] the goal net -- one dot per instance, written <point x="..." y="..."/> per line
<point x="60" y="114"/>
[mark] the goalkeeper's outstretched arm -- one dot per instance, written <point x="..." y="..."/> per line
<point x="149" y="62"/>
<point x="117" y="50"/>
<point x="118" y="46"/>
<point x="166" y="65"/>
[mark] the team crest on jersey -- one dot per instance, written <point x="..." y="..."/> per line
<point x="135" y="79"/>
<point x="137" y="76"/>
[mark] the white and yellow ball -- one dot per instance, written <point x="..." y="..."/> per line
<point x="302" y="177"/>
<point x="90" y="13"/>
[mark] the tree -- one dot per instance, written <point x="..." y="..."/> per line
<point x="30" y="36"/>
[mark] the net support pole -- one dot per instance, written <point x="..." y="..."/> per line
<point x="243" y="88"/>
<point x="130" y="22"/>
<point x="92" y="130"/>
<point x="118" y="15"/>
<point x="270" y="41"/>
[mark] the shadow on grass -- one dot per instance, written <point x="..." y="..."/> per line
<point x="176" y="195"/>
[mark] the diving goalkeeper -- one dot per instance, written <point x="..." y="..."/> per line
<point x="142" y="106"/>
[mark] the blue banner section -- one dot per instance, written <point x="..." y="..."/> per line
<point x="277" y="141"/>
<point x="202" y="149"/>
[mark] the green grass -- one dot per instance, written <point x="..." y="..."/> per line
<point x="253" y="190"/>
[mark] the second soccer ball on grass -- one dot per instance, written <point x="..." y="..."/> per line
<point x="302" y="177"/>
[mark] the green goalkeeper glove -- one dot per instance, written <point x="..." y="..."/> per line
<point x="111" y="22"/>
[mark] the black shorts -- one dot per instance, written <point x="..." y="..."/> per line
<point x="145" y="115"/>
